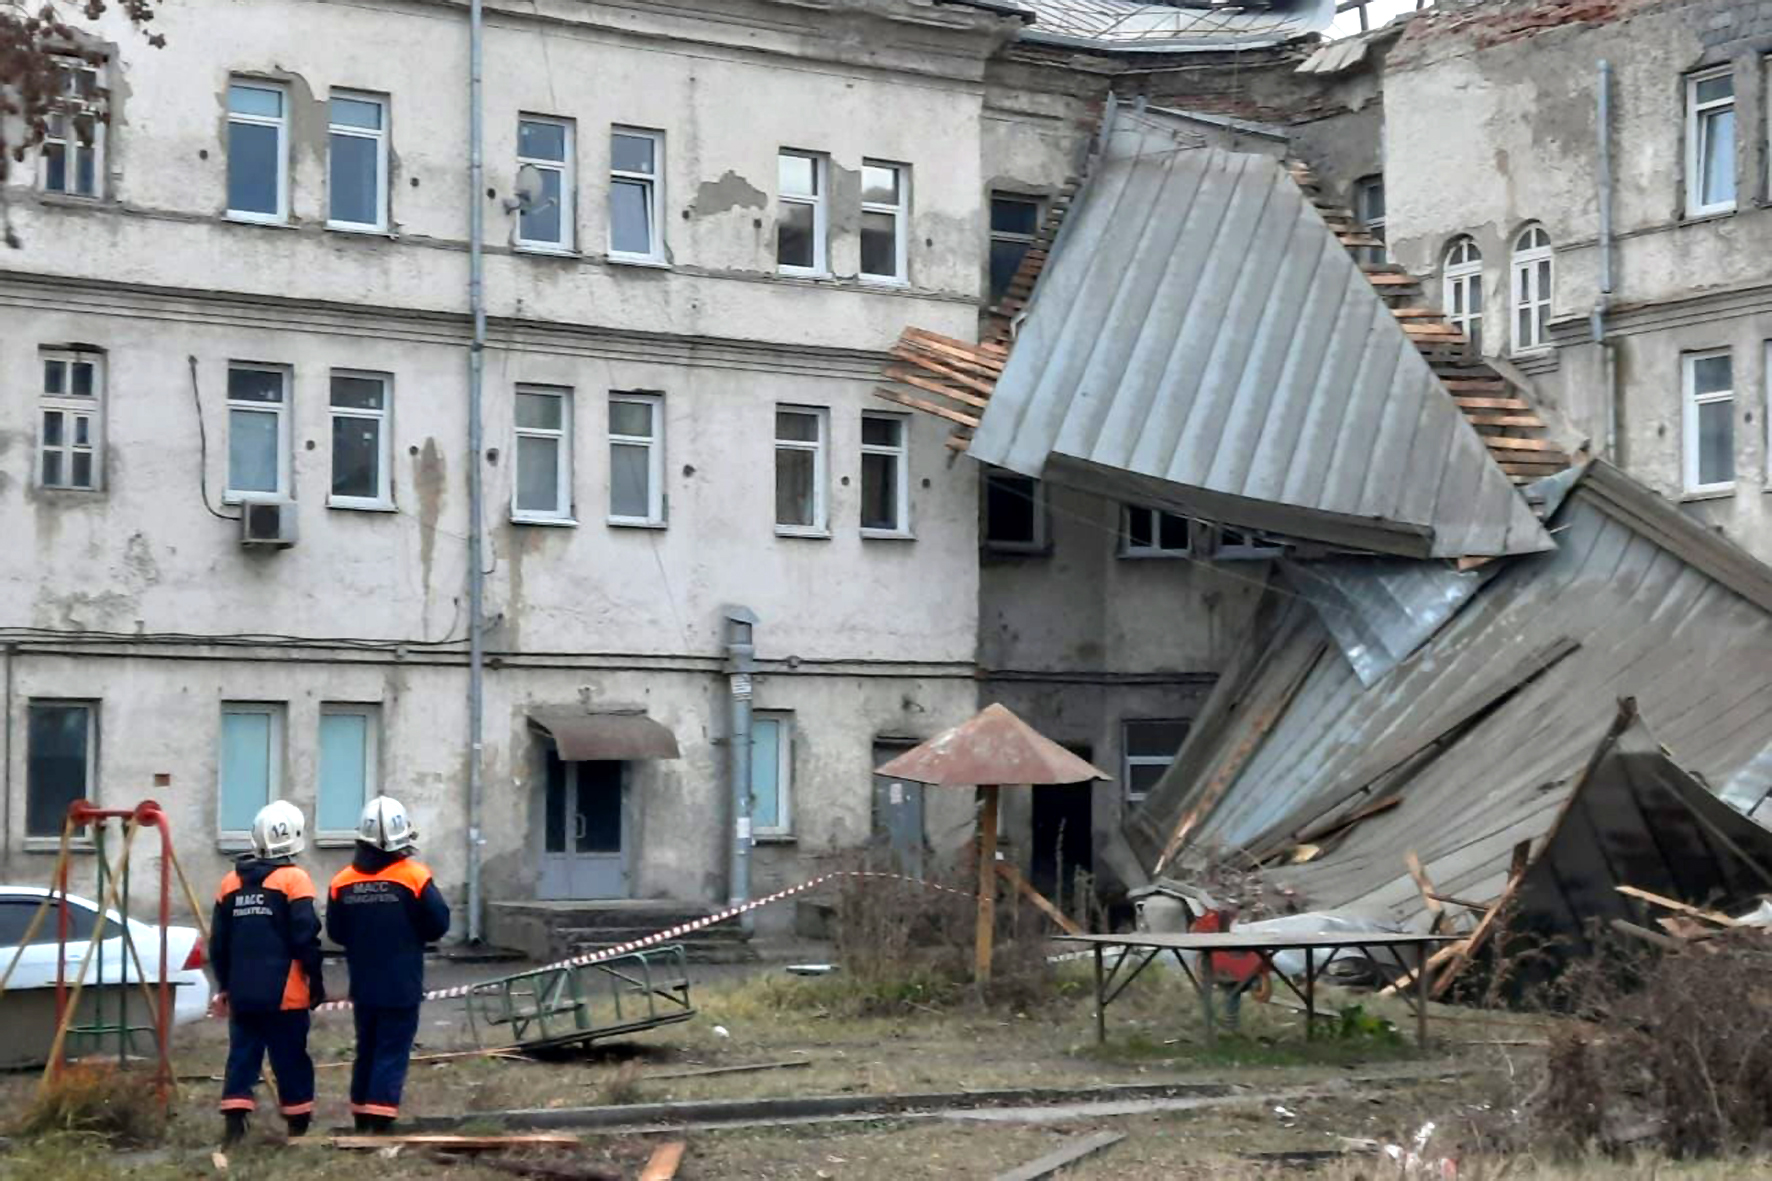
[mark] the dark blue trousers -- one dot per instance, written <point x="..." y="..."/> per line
<point x="283" y="1033"/>
<point x="384" y="1047"/>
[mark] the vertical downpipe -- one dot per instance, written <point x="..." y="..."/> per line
<point x="1609" y="369"/>
<point x="740" y="664"/>
<point x="476" y="489"/>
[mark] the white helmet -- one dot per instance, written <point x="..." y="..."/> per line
<point x="385" y="826"/>
<point x="278" y="830"/>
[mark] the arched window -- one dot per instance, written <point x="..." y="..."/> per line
<point x="1462" y="294"/>
<point x="1531" y="288"/>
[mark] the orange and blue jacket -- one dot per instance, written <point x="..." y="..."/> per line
<point x="382" y="909"/>
<point x="265" y="937"/>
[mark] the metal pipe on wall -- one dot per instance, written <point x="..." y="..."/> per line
<point x="741" y="662"/>
<point x="476" y="481"/>
<point x="1597" y="323"/>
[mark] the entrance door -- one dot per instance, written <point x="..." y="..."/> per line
<point x="1063" y="834"/>
<point x="898" y="814"/>
<point x="584" y="854"/>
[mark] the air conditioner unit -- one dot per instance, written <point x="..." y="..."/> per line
<point x="267" y="523"/>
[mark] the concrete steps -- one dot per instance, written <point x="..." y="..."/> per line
<point x="549" y="931"/>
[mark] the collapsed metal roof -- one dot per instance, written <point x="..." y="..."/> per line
<point x="1138" y="26"/>
<point x="1200" y="340"/>
<point x="1473" y="743"/>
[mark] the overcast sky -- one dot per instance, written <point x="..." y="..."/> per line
<point x="1377" y="12"/>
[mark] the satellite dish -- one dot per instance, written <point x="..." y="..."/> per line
<point x="527" y="193"/>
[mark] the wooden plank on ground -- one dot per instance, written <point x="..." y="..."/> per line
<point x="1428" y="898"/>
<point x="1517" y="866"/>
<point x="662" y="1165"/>
<point x="1653" y="938"/>
<point x="444" y="1143"/>
<point x="741" y="1068"/>
<point x="927" y="407"/>
<point x="1678" y="907"/>
<point x="1064" y="1157"/>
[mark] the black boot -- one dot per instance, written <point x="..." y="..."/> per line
<point x="298" y="1125"/>
<point x="235" y="1128"/>
<point x="381" y="1125"/>
<point x="362" y="1122"/>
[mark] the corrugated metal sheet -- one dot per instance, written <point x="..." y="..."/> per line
<point x="1133" y="26"/>
<point x="1200" y="340"/>
<point x="1347" y="52"/>
<point x="1480" y="732"/>
<point x="1382" y="609"/>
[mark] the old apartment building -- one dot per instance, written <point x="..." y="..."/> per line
<point x="236" y="480"/>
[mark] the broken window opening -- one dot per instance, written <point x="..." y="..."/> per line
<point x="72" y="154"/>
<point x="1014" y="513"/>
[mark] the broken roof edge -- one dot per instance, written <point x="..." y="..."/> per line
<point x="1636" y="505"/>
<point x="1224" y="122"/>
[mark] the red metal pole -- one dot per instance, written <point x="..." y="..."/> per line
<point x="151" y="813"/>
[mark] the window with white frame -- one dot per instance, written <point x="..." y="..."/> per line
<point x="772" y="774"/>
<point x="1532" y="289"/>
<point x="636" y="459"/>
<point x="801" y="214"/>
<point x="72" y="154"/>
<point x="258" y="432"/>
<point x="1148" y="748"/>
<point x="885" y="475"/>
<point x="258" y="151"/>
<point x="1014" y="513"/>
<point x="800" y="438"/>
<point x="1153" y="533"/>
<point x="1462" y="290"/>
<point x="1369" y="213"/>
<point x="249" y="766"/>
<point x="362" y="441"/>
<point x="545" y="145"/>
<point x="885" y="198"/>
<point x="357" y="164"/>
<point x="349" y="770"/>
<point x="61" y="762"/>
<point x="636" y="165"/>
<point x="71" y="443"/>
<point x="1014" y="223"/>
<point x="1709" y="425"/>
<point x="1710" y="142"/>
<point x="543" y="476"/>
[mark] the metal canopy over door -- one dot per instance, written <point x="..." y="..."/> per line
<point x="584" y="845"/>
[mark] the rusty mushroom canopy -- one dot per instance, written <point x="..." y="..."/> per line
<point x="994" y="747"/>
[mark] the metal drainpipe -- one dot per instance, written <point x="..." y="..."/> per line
<point x="1597" y="319"/>
<point x="740" y="663"/>
<point x="476" y="482"/>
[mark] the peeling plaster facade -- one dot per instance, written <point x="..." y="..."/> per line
<point x="1503" y="97"/>
<point x="138" y="598"/>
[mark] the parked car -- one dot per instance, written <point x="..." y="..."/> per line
<point x="36" y="967"/>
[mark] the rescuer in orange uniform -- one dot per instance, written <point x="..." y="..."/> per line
<point x="382" y="909"/>
<point x="265" y="949"/>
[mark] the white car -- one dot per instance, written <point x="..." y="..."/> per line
<point x="36" y="967"/>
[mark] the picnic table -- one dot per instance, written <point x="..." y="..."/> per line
<point x="1110" y="984"/>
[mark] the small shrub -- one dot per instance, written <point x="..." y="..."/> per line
<point x="623" y="1086"/>
<point x="97" y="1099"/>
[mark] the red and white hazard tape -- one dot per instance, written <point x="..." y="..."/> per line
<point x="678" y="931"/>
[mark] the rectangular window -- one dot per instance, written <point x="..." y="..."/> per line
<point x="636" y="162"/>
<point x="772" y="774"/>
<point x="258" y="152"/>
<point x="362" y="442"/>
<point x="250" y="766"/>
<point x="1014" y="222"/>
<point x="1369" y="213"/>
<point x="61" y="762"/>
<point x="1153" y="533"/>
<point x="73" y="149"/>
<point x="800" y="470"/>
<point x="72" y="408"/>
<point x="357" y="171"/>
<point x="636" y="459"/>
<point x="1709" y="421"/>
<point x="350" y="771"/>
<point x="1710" y="142"/>
<point x="546" y="219"/>
<point x="1149" y="746"/>
<point x="885" y="196"/>
<point x="1014" y="513"/>
<point x="800" y="216"/>
<point x="885" y="478"/>
<point x="543" y="475"/>
<point x="258" y="432"/>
